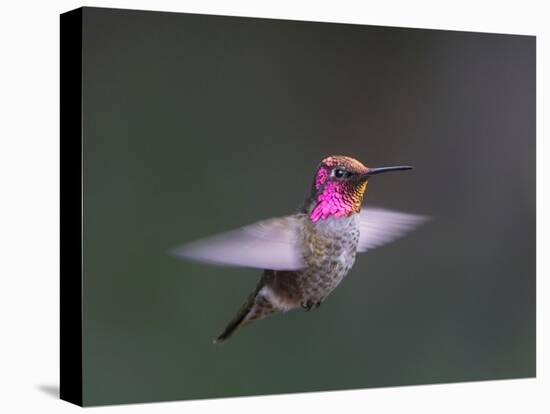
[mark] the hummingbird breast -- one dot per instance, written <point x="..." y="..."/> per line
<point x="329" y="249"/>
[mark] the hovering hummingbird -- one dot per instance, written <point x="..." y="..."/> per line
<point x="304" y="256"/>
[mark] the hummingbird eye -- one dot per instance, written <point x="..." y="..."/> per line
<point x="340" y="173"/>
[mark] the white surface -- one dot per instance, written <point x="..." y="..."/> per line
<point x="29" y="206"/>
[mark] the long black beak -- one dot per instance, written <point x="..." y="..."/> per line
<point x="374" y="171"/>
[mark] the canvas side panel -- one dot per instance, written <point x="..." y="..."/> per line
<point x="71" y="206"/>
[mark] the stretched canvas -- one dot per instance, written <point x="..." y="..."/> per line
<point x="258" y="206"/>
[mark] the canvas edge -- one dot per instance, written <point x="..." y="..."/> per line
<point x="71" y="382"/>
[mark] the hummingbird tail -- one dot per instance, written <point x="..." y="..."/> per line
<point x="255" y="308"/>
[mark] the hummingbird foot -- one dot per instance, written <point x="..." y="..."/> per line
<point x="308" y="305"/>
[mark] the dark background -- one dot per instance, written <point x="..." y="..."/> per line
<point x="198" y="124"/>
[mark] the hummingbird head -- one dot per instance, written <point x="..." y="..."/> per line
<point x="339" y="186"/>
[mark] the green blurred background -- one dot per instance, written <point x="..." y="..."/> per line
<point x="198" y="124"/>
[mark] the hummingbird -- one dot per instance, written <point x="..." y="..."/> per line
<point x="305" y="256"/>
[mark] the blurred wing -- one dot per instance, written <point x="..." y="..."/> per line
<point x="378" y="226"/>
<point x="267" y="244"/>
